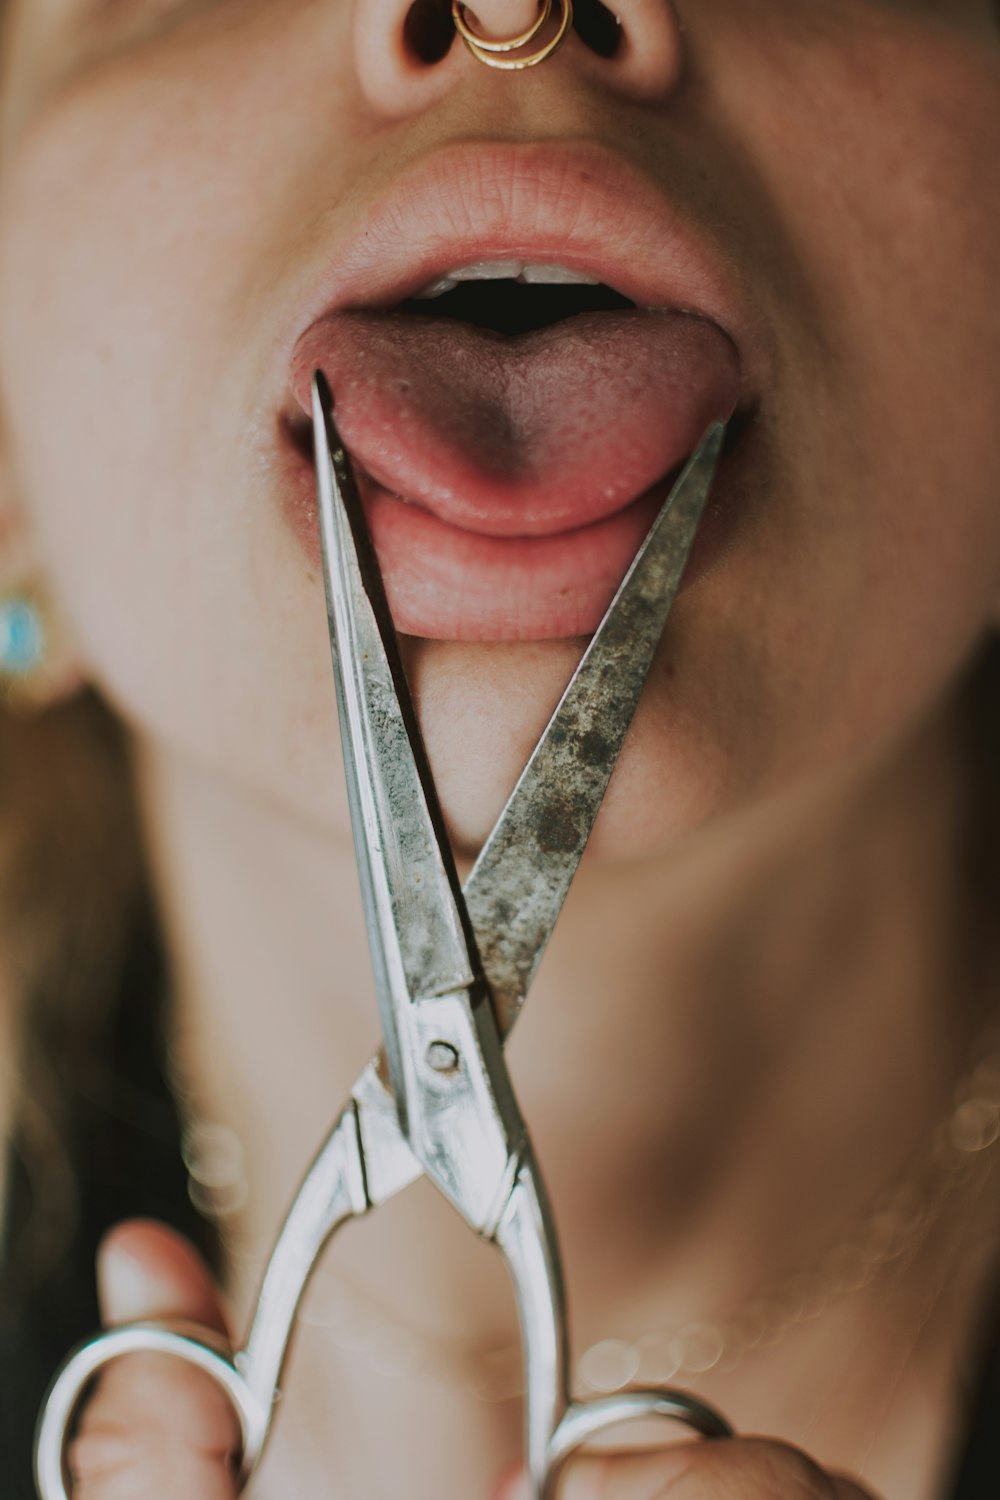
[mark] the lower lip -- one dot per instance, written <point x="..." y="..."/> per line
<point x="445" y="583"/>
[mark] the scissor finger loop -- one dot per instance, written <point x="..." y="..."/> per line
<point x="586" y="1420"/>
<point x="196" y="1347"/>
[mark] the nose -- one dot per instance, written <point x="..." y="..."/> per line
<point x="408" y="54"/>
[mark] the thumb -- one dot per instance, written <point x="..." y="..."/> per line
<point x="753" y="1468"/>
<point x="156" y="1428"/>
<point x="146" y="1271"/>
<point x="610" y="1476"/>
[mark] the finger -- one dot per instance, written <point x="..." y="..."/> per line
<point x="609" y="1476"/>
<point x="156" y="1428"/>
<point x="738" y="1469"/>
<point x="145" y="1270"/>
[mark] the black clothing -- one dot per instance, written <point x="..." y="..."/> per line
<point x="978" y="1473"/>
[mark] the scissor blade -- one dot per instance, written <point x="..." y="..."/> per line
<point x="420" y="941"/>
<point x="518" y="884"/>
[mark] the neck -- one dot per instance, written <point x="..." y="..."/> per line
<point x="729" y="1050"/>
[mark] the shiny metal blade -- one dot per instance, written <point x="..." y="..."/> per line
<point x="418" y="932"/>
<point x="518" y="884"/>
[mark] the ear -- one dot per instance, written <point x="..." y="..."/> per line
<point x="32" y="681"/>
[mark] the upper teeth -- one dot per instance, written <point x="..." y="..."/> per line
<point x="505" y="270"/>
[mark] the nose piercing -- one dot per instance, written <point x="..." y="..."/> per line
<point x="493" y="52"/>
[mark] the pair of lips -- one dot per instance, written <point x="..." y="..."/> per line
<point x="509" y="480"/>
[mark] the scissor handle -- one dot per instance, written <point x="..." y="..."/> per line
<point x="556" y="1425"/>
<point x="195" y="1346"/>
<point x="585" y="1420"/>
<point x="332" y="1191"/>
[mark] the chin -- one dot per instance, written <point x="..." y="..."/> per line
<point x="482" y="709"/>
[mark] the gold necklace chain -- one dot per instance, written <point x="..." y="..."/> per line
<point x="960" y="1151"/>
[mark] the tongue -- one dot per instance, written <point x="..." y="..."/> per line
<point x="529" y="435"/>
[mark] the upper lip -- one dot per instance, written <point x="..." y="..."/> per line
<point x="581" y="205"/>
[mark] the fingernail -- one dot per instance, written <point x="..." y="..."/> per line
<point x="127" y="1291"/>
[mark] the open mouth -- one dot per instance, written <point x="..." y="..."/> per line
<point x="514" y="298"/>
<point x="515" y="427"/>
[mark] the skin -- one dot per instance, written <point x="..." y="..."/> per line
<point x="766" y="689"/>
<point x="172" y="179"/>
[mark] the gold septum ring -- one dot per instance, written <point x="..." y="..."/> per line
<point x="494" y="52"/>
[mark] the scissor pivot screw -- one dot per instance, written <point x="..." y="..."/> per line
<point x="443" y="1057"/>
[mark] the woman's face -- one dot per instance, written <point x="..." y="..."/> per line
<point x="187" y="186"/>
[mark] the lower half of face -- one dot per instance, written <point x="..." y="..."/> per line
<point x="172" y="207"/>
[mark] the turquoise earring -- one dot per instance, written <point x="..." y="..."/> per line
<point x="37" y="663"/>
<point x="22" y="637"/>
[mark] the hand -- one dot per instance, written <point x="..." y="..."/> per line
<point x="737" y="1469"/>
<point x="155" y="1429"/>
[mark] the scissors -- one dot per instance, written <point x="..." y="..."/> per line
<point x="452" y="969"/>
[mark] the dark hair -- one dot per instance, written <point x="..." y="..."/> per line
<point x="70" y="890"/>
<point x="95" y="1136"/>
<point x="83" y="991"/>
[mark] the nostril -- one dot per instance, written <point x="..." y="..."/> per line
<point x="428" y="30"/>
<point x="597" y="26"/>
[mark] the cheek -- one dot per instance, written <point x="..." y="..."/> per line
<point x="144" y="253"/>
<point x="868" y="134"/>
<point x="870" y="569"/>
